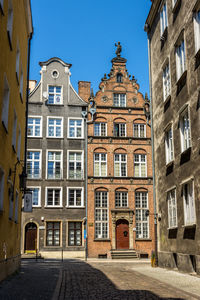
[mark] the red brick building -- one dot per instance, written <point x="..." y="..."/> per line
<point x="120" y="186"/>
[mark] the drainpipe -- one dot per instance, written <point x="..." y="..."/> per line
<point x="153" y="158"/>
<point x="24" y="175"/>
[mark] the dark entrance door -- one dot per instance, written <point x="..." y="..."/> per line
<point x="30" y="237"/>
<point x="122" y="234"/>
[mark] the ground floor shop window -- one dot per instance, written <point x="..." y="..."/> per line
<point x="75" y="233"/>
<point x="101" y="215"/>
<point x="53" y="234"/>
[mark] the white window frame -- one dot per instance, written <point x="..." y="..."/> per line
<point x="139" y="130"/>
<point x="75" y="126"/>
<point x="34" y="125"/>
<point x="100" y="162"/>
<point x="40" y="163"/>
<point x="14" y="131"/>
<point x="163" y="18"/>
<point x="122" y="129"/>
<point x="120" y="162"/>
<point x="185" y="132"/>
<point x="172" y="209"/>
<point x="166" y="81"/>
<point x="54" y="126"/>
<point x="189" y="210"/>
<point x="39" y="195"/>
<point x="117" y="101"/>
<point x="2" y="177"/>
<point x="10" y="20"/>
<point x="16" y="206"/>
<point x="169" y="144"/>
<point x="61" y="164"/>
<point x="46" y="193"/>
<point x="5" y="106"/>
<point x="101" y="222"/>
<point x="140" y="162"/>
<point x="143" y="211"/>
<point x="82" y="197"/>
<point x="19" y="144"/>
<point x="121" y="199"/>
<point x="180" y="58"/>
<point x="54" y="93"/>
<point x="82" y="164"/>
<point x="197" y="29"/>
<point x="100" y="129"/>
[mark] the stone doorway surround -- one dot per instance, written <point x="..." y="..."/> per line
<point x="126" y="214"/>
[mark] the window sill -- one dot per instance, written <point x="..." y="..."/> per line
<point x="193" y="225"/>
<point x="55" y="137"/>
<point x="34" y="137"/>
<point x="9" y="40"/>
<point x="72" y="207"/>
<point x="1" y="10"/>
<point x="170" y="163"/>
<point x="36" y="206"/>
<point x="183" y="75"/>
<point x="75" y="138"/>
<point x="101" y="240"/>
<point x="37" y="179"/>
<point x="197" y="59"/>
<point x="55" y="179"/>
<point x="172" y="228"/>
<point x="167" y="99"/>
<point x="175" y="7"/>
<point x="53" y="207"/>
<point x="53" y="104"/>
<point x="143" y="240"/>
<point x="14" y="148"/>
<point x="181" y="82"/>
<point x="17" y="78"/>
<point x="163" y="38"/>
<point x="4" y="126"/>
<point x="21" y="97"/>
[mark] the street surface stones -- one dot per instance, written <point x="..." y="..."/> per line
<point x="97" y="280"/>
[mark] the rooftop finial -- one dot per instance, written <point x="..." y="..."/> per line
<point x="119" y="49"/>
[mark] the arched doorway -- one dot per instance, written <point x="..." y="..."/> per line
<point x="30" y="238"/>
<point x="122" y="234"/>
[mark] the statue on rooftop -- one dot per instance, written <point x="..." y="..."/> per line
<point x="119" y="49"/>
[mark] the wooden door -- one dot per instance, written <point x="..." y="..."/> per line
<point x="31" y="237"/>
<point x="122" y="234"/>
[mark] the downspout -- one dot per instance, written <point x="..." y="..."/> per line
<point x="26" y="112"/>
<point x="153" y="159"/>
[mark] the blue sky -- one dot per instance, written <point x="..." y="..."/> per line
<point x="83" y="33"/>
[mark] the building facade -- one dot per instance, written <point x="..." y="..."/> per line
<point x="173" y="29"/>
<point x="120" y="192"/>
<point x="15" y="31"/>
<point x="55" y="166"/>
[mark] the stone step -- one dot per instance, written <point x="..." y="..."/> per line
<point x="123" y="254"/>
<point x="30" y="256"/>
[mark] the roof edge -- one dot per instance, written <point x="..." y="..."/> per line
<point x="52" y="59"/>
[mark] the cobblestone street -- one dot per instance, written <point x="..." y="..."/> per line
<point x="76" y="279"/>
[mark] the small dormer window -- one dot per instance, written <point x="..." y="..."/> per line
<point x="119" y="77"/>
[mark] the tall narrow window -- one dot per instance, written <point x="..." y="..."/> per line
<point x="189" y="203"/>
<point x="163" y="18"/>
<point x="16" y="206"/>
<point x="120" y="100"/>
<point x="54" y="197"/>
<point x="54" y="94"/>
<point x="19" y="144"/>
<point x="180" y="59"/>
<point x="100" y="129"/>
<point x="140" y="167"/>
<point x="119" y="129"/>
<point x="121" y="199"/>
<point x="101" y="215"/>
<point x="10" y="21"/>
<point x="100" y="164"/>
<point x="35" y="196"/>
<point x="53" y="234"/>
<point x="172" y="208"/>
<point x="55" y="127"/>
<point x="185" y="131"/>
<point x="120" y="165"/>
<point x="119" y="77"/>
<point x="139" y="130"/>
<point x="34" y="164"/>
<point x="34" y="126"/>
<point x="169" y="149"/>
<point x="54" y="164"/>
<point x="75" y="233"/>
<point x="197" y="30"/>
<point x="14" y="131"/>
<point x="166" y="82"/>
<point x="5" y="108"/>
<point x="142" y="220"/>
<point x="1" y="189"/>
<point x="75" y="170"/>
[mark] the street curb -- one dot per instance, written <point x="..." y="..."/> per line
<point x="56" y="293"/>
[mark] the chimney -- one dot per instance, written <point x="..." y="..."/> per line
<point x="84" y="89"/>
<point x="32" y="85"/>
